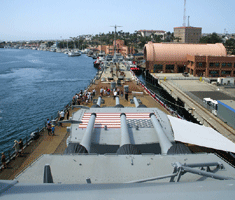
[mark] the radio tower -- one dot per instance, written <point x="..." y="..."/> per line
<point x="184" y="19"/>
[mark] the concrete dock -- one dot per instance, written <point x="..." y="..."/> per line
<point x="191" y="92"/>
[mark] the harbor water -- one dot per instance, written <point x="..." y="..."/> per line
<point x="35" y="85"/>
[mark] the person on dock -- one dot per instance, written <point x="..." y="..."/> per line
<point x="52" y="130"/>
<point x="68" y="114"/>
<point x="21" y="146"/>
<point x="126" y="96"/>
<point x="62" y="115"/>
<point x="17" y="147"/>
<point x="114" y="94"/>
<point x="49" y="128"/>
<point x="101" y="91"/>
<point x="108" y="91"/>
<point x="93" y="92"/>
<point x="118" y="91"/>
<point x="88" y="97"/>
<point x="3" y="160"/>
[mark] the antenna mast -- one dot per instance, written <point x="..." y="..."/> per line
<point x="184" y="19"/>
<point x="188" y="20"/>
<point x="115" y="38"/>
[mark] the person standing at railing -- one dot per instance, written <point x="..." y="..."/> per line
<point x="126" y="96"/>
<point x="53" y="130"/>
<point x="62" y="115"/>
<point x="21" y="145"/>
<point x="67" y="114"/>
<point x="17" y="147"/>
<point x="49" y="127"/>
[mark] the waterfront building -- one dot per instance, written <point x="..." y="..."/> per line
<point x="120" y="48"/>
<point x="147" y="33"/>
<point x="187" y="34"/>
<point x="208" y="60"/>
<point x="43" y="46"/>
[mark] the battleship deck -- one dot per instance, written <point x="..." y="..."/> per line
<point x="56" y="144"/>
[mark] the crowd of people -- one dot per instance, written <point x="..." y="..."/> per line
<point x="116" y="92"/>
<point x="83" y="97"/>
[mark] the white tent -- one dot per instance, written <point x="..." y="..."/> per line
<point x="188" y="132"/>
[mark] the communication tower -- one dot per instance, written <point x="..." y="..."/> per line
<point x="184" y="19"/>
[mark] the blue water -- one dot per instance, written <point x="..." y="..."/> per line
<point x="34" y="85"/>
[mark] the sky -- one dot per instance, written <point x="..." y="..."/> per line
<point x="61" y="19"/>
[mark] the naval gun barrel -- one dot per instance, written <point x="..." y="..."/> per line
<point x="163" y="140"/>
<point x="117" y="100"/>
<point x="126" y="148"/>
<point x="125" y="138"/>
<point x="136" y="102"/>
<point x="99" y="101"/>
<point x="137" y="105"/>
<point x="118" y="105"/>
<point x="86" y="140"/>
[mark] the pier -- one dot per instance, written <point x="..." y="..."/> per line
<point x="183" y="88"/>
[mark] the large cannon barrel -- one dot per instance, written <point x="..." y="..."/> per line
<point x="137" y="105"/>
<point x="118" y="105"/>
<point x="136" y="102"/>
<point x="86" y="140"/>
<point x="163" y="140"/>
<point x="117" y="100"/>
<point x="125" y="138"/>
<point x="97" y="105"/>
<point x="99" y="101"/>
<point x="125" y="145"/>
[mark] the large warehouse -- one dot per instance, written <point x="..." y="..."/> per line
<point x="208" y="60"/>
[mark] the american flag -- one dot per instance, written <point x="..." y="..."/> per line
<point x="111" y="120"/>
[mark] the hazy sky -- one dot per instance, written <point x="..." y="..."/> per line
<point x="56" y="19"/>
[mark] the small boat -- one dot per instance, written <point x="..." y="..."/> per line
<point x="99" y="60"/>
<point x="74" y="53"/>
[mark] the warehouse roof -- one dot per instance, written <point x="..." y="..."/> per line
<point x="178" y="52"/>
<point x="230" y="104"/>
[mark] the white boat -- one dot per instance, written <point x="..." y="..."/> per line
<point x="74" y="53"/>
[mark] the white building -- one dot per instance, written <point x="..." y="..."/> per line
<point x="146" y="33"/>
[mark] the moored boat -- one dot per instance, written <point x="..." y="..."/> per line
<point x="74" y="53"/>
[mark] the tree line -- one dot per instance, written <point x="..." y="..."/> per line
<point x="135" y="40"/>
<point x="215" y="38"/>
